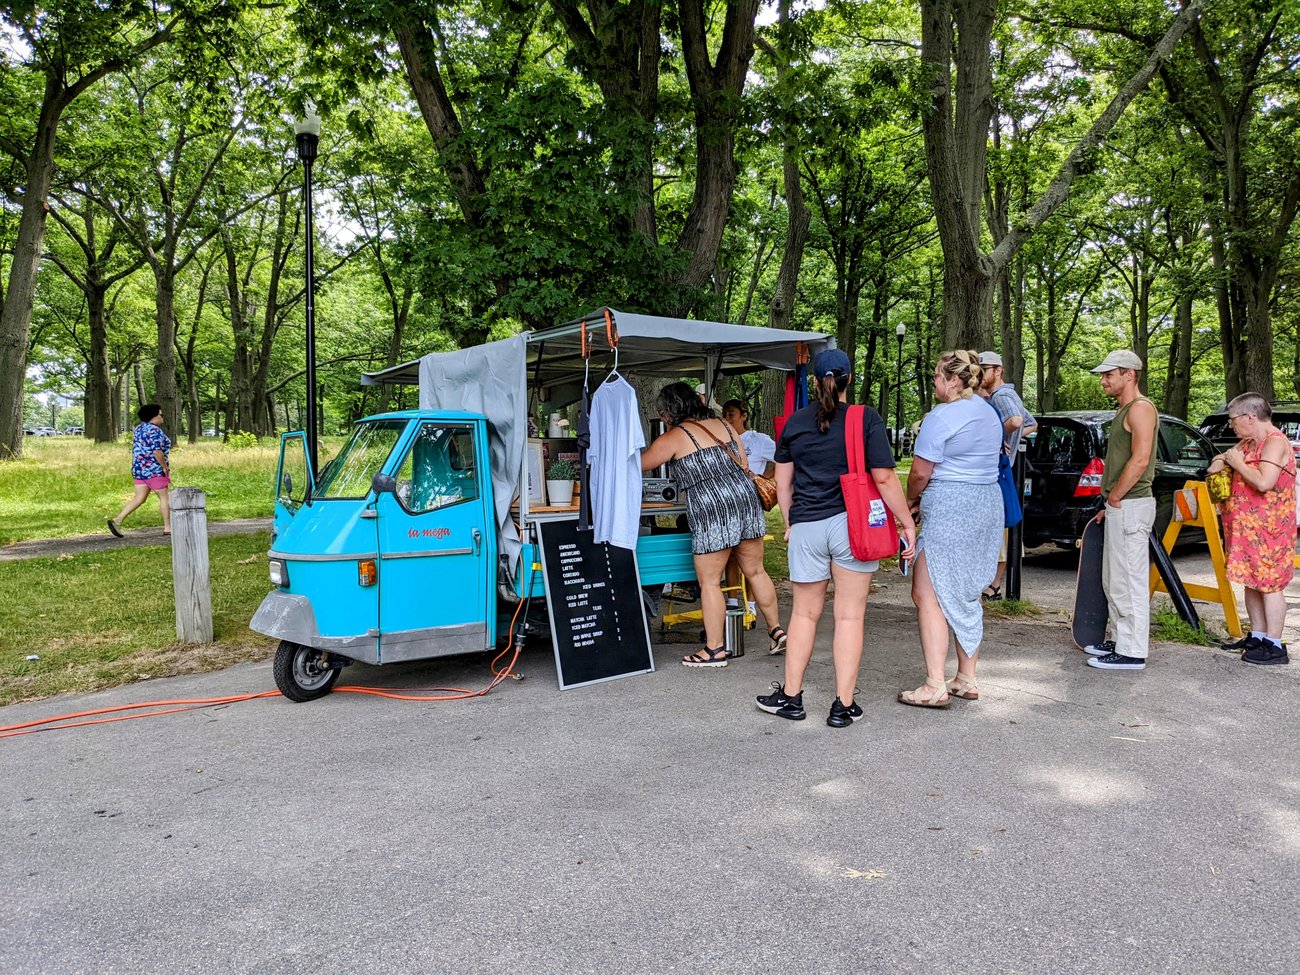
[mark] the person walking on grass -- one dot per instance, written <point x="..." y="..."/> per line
<point x="1127" y="515"/>
<point x="150" y="466"/>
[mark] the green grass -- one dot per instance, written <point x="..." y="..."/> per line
<point x="1168" y="627"/>
<point x="109" y="618"/>
<point x="1004" y="608"/>
<point x="68" y="486"/>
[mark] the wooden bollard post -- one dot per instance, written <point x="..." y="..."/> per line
<point x="190" y="578"/>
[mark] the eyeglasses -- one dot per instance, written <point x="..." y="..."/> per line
<point x="1237" y="416"/>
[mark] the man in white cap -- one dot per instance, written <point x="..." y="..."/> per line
<point x="710" y="404"/>
<point x="1127" y="514"/>
<point x="1016" y="422"/>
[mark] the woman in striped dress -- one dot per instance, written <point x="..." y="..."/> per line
<point x="723" y="510"/>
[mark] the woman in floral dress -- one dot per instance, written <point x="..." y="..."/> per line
<point x="1259" y="523"/>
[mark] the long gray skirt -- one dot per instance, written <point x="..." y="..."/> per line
<point x="961" y="535"/>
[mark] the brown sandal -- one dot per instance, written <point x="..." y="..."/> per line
<point x="935" y="700"/>
<point x="963" y="687"/>
<point x="707" y="658"/>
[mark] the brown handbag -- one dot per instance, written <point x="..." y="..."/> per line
<point x="764" y="486"/>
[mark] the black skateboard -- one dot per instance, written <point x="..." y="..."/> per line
<point x="1088" y="624"/>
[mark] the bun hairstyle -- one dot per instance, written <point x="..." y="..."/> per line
<point x="964" y="366"/>
<point x="680" y="402"/>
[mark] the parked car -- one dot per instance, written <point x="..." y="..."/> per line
<point x="74" y="431"/>
<point x="1065" y="460"/>
<point x="45" y="432"/>
<point x="1286" y="417"/>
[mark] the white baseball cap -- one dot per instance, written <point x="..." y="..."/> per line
<point x="1119" y="359"/>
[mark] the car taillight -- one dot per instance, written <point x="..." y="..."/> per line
<point x="1089" y="485"/>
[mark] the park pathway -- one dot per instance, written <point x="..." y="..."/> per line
<point x="41" y="548"/>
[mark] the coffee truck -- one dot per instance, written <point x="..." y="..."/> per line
<point x="421" y="536"/>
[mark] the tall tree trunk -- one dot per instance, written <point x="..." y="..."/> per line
<point x="1179" y="374"/>
<point x="99" y="394"/>
<point x="798" y="219"/>
<point x="166" y="390"/>
<point x="20" y="295"/>
<point x="956" y="143"/>
<point x="716" y="101"/>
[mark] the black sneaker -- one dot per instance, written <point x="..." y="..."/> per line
<point x="1100" y="649"/>
<point x="841" y="716"/>
<point x="1117" y="661"/>
<point x="1266" y="653"/>
<point x="1237" y="646"/>
<point x="781" y="704"/>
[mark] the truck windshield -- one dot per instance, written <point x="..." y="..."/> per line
<point x="348" y="475"/>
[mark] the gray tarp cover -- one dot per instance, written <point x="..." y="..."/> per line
<point x="489" y="380"/>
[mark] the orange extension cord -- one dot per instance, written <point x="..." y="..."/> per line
<point x="175" y="707"/>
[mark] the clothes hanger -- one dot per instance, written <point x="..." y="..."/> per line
<point x="611" y="336"/>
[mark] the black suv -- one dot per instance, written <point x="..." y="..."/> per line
<point x="1286" y="417"/>
<point x="1064" y="462"/>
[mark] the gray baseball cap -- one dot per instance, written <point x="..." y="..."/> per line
<point x="990" y="359"/>
<point x="1120" y="359"/>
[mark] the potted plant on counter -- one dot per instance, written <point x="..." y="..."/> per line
<point x="559" y="483"/>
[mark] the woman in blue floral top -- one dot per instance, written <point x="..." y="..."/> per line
<point x="150" y="466"/>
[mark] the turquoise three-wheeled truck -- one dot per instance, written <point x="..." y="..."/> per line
<point x="415" y="539"/>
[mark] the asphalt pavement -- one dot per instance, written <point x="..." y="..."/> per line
<point x="1070" y="821"/>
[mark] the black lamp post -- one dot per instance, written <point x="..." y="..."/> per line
<point x="307" y="136"/>
<point x="899" y="330"/>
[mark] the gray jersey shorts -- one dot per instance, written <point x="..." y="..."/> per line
<point x="814" y="545"/>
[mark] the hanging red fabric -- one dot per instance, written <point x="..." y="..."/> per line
<point x="873" y="533"/>
<point x="796" y="390"/>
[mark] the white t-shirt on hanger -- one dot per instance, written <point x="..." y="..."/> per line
<point x="615" y="458"/>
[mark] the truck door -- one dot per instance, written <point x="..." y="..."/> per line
<point x="293" y="479"/>
<point x="437" y="545"/>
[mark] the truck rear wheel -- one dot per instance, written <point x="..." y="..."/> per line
<point x="301" y="673"/>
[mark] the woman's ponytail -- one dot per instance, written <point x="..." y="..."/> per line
<point x="829" y="388"/>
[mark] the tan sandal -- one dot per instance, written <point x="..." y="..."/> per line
<point x="963" y="687"/>
<point x="933" y="701"/>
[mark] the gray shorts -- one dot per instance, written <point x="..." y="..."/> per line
<point x="814" y="545"/>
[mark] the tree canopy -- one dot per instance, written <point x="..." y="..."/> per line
<point x="1051" y="178"/>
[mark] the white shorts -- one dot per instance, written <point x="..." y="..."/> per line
<point x="814" y="545"/>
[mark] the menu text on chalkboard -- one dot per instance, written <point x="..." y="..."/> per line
<point x="598" y="624"/>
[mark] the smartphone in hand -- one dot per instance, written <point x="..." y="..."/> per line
<point x="904" y="565"/>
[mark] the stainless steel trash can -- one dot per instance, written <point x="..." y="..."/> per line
<point x="735" y="633"/>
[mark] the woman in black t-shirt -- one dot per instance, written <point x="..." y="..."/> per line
<point x="809" y="461"/>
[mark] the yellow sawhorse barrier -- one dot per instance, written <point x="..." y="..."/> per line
<point x="1206" y="518"/>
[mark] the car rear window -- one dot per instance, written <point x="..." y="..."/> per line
<point x="1217" y="428"/>
<point x="1058" y="443"/>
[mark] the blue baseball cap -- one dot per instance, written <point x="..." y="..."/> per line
<point x="831" y="361"/>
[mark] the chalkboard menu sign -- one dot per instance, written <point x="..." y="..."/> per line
<point x="598" y="624"/>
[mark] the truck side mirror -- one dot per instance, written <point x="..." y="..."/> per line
<point x="286" y="486"/>
<point x="383" y="484"/>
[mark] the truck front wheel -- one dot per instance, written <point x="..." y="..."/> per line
<point x="302" y="673"/>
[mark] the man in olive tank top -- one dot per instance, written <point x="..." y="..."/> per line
<point x="1127" y="515"/>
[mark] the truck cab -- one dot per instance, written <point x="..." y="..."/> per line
<point x="387" y="555"/>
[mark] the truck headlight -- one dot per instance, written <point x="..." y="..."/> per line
<point x="279" y="574"/>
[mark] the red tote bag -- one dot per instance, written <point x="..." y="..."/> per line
<point x="873" y="533"/>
